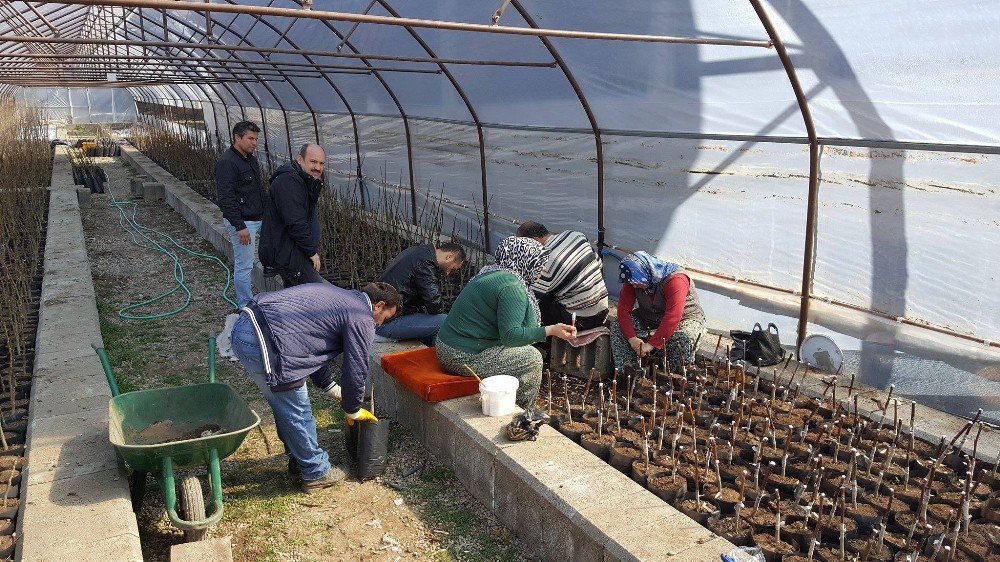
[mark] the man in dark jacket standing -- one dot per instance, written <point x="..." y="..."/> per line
<point x="240" y="195"/>
<point x="284" y="337"/>
<point x="415" y="274"/>
<point x="289" y="238"/>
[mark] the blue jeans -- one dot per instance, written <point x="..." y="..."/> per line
<point x="292" y="410"/>
<point x="243" y="258"/>
<point x="419" y="326"/>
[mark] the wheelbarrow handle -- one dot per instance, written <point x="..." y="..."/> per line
<point x="211" y="357"/>
<point x="170" y="494"/>
<point x="107" y="369"/>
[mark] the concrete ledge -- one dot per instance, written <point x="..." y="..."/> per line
<point x="203" y="215"/>
<point x="562" y="501"/>
<point x="75" y="499"/>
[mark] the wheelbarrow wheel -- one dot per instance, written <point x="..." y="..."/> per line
<point x="193" y="506"/>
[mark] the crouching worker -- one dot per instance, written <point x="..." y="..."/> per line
<point x="284" y="337"/>
<point x="495" y="319"/>
<point x="667" y="314"/>
<point x="416" y="273"/>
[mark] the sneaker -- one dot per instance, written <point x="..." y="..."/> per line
<point x="332" y="478"/>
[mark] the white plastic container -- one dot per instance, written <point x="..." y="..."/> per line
<point x="498" y="394"/>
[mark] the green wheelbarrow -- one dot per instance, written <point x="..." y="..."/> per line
<point x="159" y="430"/>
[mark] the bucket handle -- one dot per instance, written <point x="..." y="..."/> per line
<point x="107" y="369"/>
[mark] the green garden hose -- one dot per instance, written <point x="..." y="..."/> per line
<point x="126" y="218"/>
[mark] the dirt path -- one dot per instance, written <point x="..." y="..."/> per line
<point x="424" y="516"/>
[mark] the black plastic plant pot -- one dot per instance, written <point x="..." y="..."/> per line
<point x="367" y="445"/>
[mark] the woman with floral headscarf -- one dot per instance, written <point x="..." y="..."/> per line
<point x="667" y="314"/>
<point x="495" y="319"/>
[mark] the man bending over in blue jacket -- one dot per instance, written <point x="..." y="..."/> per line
<point x="284" y="337"/>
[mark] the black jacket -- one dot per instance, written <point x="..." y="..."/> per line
<point x="239" y="191"/>
<point x="289" y="235"/>
<point x="414" y="274"/>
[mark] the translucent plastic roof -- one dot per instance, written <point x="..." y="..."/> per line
<point x="920" y="71"/>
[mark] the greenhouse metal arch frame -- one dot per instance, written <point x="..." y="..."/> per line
<point x="36" y="29"/>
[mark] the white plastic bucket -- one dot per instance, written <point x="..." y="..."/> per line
<point x="498" y="394"/>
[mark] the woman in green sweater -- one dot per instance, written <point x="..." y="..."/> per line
<point x="495" y="320"/>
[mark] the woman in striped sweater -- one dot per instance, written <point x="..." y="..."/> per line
<point x="495" y="319"/>
<point x="573" y="282"/>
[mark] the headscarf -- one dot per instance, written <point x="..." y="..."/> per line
<point x="523" y="257"/>
<point x="645" y="269"/>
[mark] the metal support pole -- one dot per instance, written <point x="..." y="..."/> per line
<point x="418" y="23"/>
<point x="812" y="205"/>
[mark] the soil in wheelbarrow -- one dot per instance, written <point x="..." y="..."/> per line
<point x="166" y="432"/>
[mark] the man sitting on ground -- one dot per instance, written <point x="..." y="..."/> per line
<point x="415" y="273"/>
<point x="284" y="337"/>
<point x="572" y="282"/>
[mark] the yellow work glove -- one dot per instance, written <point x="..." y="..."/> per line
<point x="361" y="415"/>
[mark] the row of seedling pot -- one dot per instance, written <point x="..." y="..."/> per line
<point x="25" y="171"/>
<point x="745" y="453"/>
<point x="86" y="171"/>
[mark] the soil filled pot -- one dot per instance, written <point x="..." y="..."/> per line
<point x="640" y="472"/>
<point x="700" y="511"/>
<point x="831" y="529"/>
<point x="367" y="444"/>
<point x="990" y="510"/>
<point x="600" y="446"/>
<point x="761" y="519"/>
<point x="799" y="532"/>
<point x="665" y="486"/>
<point x="904" y="521"/>
<point x="786" y="484"/>
<point x="573" y="430"/>
<point x="773" y="549"/>
<point x="8" y="462"/>
<point x="12" y="477"/>
<point x="7" y="545"/>
<point x="623" y="455"/>
<point x="8" y="508"/>
<point x="724" y="500"/>
<point x="726" y="528"/>
<point x="6" y="526"/>
<point x="879" y="502"/>
<point x="976" y="548"/>
<point x="864" y="514"/>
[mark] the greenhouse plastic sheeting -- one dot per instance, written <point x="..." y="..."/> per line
<point x="82" y="105"/>
<point x="915" y="70"/>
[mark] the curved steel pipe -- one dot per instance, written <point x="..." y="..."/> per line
<point x="812" y="205"/>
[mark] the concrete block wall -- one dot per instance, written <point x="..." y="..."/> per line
<point x="75" y="498"/>
<point x="563" y="502"/>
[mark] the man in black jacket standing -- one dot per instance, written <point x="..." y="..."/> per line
<point x="289" y="238"/>
<point x="415" y="275"/>
<point x="240" y="195"/>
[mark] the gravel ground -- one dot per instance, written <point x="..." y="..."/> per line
<point x="424" y="516"/>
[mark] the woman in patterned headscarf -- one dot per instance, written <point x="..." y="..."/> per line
<point x="495" y="320"/>
<point x="667" y="314"/>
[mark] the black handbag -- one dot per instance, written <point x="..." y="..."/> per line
<point x="759" y="346"/>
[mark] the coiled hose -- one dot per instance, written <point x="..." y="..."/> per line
<point x="138" y="232"/>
